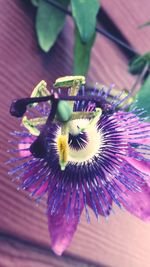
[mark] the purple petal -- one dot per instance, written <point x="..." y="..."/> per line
<point x="137" y="203"/>
<point x="25" y="145"/>
<point x="128" y="118"/>
<point x="141" y="165"/>
<point x="62" y="228"/>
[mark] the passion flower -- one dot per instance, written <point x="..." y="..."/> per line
<point x="82" y="148"/>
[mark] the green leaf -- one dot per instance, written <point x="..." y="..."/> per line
<point x="82" y="52"/>
<point x="138" y="63"/>
<point x="35" y="2"/>
<point x="144" y="25"/>
<point x="143" y="98"/>
<point x="49" y="23"/>
<point x="84" y="13"/>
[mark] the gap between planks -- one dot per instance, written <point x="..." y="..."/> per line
<point x="15" y="251"/>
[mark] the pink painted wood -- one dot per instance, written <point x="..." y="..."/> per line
<point x="128" y="16"/>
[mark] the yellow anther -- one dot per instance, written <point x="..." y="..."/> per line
<point x="40" y="90"/>
<point x="68" y="81"/>
<point x="62" y="146"/>
<point x="31" y="128"/>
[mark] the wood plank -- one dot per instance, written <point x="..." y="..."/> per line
<point x="19" y="253"/>
<point x="115" y="243"/>
<point x="128" y="15"/>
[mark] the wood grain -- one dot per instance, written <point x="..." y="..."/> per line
<point x="123" y="240"/>
<point x="128" y="16"/>
<point x="18" y="253"/>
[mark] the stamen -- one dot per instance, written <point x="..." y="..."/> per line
<point x="30" y="126"/>
<point x="67" y="81"/>
<point x="40" y="90"/>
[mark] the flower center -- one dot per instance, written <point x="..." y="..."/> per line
<point x="78" y="141"/>
<point x="83" y="146"/>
